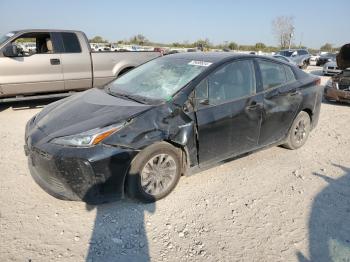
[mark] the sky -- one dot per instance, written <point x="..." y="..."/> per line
<point x="241" y="21"/>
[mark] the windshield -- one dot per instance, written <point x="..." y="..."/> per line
<point x="287" y="53"/>
<point x="3" y="38"/>
<point x="158" y="79"/>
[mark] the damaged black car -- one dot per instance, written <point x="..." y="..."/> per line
<point x="169" y="117"/>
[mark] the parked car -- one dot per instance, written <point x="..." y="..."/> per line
<point x="113" y="48"/>
<point x="300" y="56"/>
<point x="63" y="61"/>
<point x="285" y="59"/>
<point x="331" y="68"/>
<point x="161" y="50"/>
<point x="338" y="88"/>
<point x="325" y="58"/>
<point x="166" y="118"/>
<point x="30" y="47"/>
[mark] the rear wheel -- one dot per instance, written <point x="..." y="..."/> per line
<point x="299" y="131"/>
<point x="154" y="173"/>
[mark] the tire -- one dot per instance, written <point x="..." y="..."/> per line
<point x="299" y="131"/>
<point x="305" y="65"/>
<point x="144" y="165"/>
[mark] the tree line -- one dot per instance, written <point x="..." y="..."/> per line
<point x="283" y="28"/>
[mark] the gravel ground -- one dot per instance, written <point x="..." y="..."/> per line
<point x="273" y="205"/>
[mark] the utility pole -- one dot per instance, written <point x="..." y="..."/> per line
<point x="290" y="36"/>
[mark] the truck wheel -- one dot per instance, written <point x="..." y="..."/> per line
<point x="299" y="132"/>
<point x="154" y="172"/>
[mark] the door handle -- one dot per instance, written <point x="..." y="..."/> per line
<point x="55" y="61"/>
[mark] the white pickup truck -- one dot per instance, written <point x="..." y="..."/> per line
<point x="62" y="62"/>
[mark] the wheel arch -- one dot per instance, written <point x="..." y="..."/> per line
<point x="309" y="112"/>
<point x="124" y="70"/>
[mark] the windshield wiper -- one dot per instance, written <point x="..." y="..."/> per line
<point x="129" y="97"/>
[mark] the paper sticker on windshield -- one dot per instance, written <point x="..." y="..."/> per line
<point x="199" y="63"/>
<point x="10" y="34"/>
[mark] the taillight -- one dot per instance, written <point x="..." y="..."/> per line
<point x="318" y="81"/>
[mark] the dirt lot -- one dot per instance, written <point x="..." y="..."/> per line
<point x="274" y="205"/>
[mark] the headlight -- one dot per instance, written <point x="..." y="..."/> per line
<point x="88" y="138"/>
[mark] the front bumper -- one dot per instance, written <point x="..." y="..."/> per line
<point x="93" y="175"/>
<point x="331" y="93"/>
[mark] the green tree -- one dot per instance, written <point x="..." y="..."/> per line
<point x="233" y="46"/>
<point x="327" y="47"/>
<point x="139" y="39"/>
<point x="97" y="39"/>
<point x="176" y="44"/>
<point x="205" y="44"/>
<point x="260" y="46"/>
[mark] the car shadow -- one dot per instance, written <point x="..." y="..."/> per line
<point x="329" y="222"/>
<point x="24" y="105"/>
<point x="119" y="232"/>
<point x="335" y="103"/>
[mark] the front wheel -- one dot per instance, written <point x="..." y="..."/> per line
<point x="299" y="131"/>
<point x="154" y="172"/>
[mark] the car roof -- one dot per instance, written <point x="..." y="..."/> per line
<point x="219" y="57"/>
<point x="44" y="31"/>
<point x="212" y="57"/>
<point x="297" y="49"/>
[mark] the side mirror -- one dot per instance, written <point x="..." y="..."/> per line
<point x="201" y="102"/>
<point x="204" y="102"/>
<point x="11" y="51"/>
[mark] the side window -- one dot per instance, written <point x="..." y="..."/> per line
<point x="272" y="74"/>
<point x="232" y="81"/>
<point x="289" y="74"/>
<point x="34" y="43"/>
<point x="201" y="91"/>
<point x="71" y="43"/>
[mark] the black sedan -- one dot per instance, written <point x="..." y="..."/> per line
<point x="169" y="117"/>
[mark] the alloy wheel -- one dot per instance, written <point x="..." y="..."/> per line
<point x="158" y="174"/>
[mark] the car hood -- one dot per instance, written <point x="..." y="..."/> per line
<point x="85" y="111"/>
<point x="343" y="57"/>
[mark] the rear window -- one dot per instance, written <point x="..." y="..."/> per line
<point x="302" y="52"/>
<point x="272" y="74"/>
<point x="71" y="43"/>
<point x="286" y="53"/>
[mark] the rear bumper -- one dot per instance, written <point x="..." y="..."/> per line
<point x="337" y="95"/>
<point x="92" y="175"/>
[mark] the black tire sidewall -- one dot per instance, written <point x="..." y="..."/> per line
<point x="134" y="188"/>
